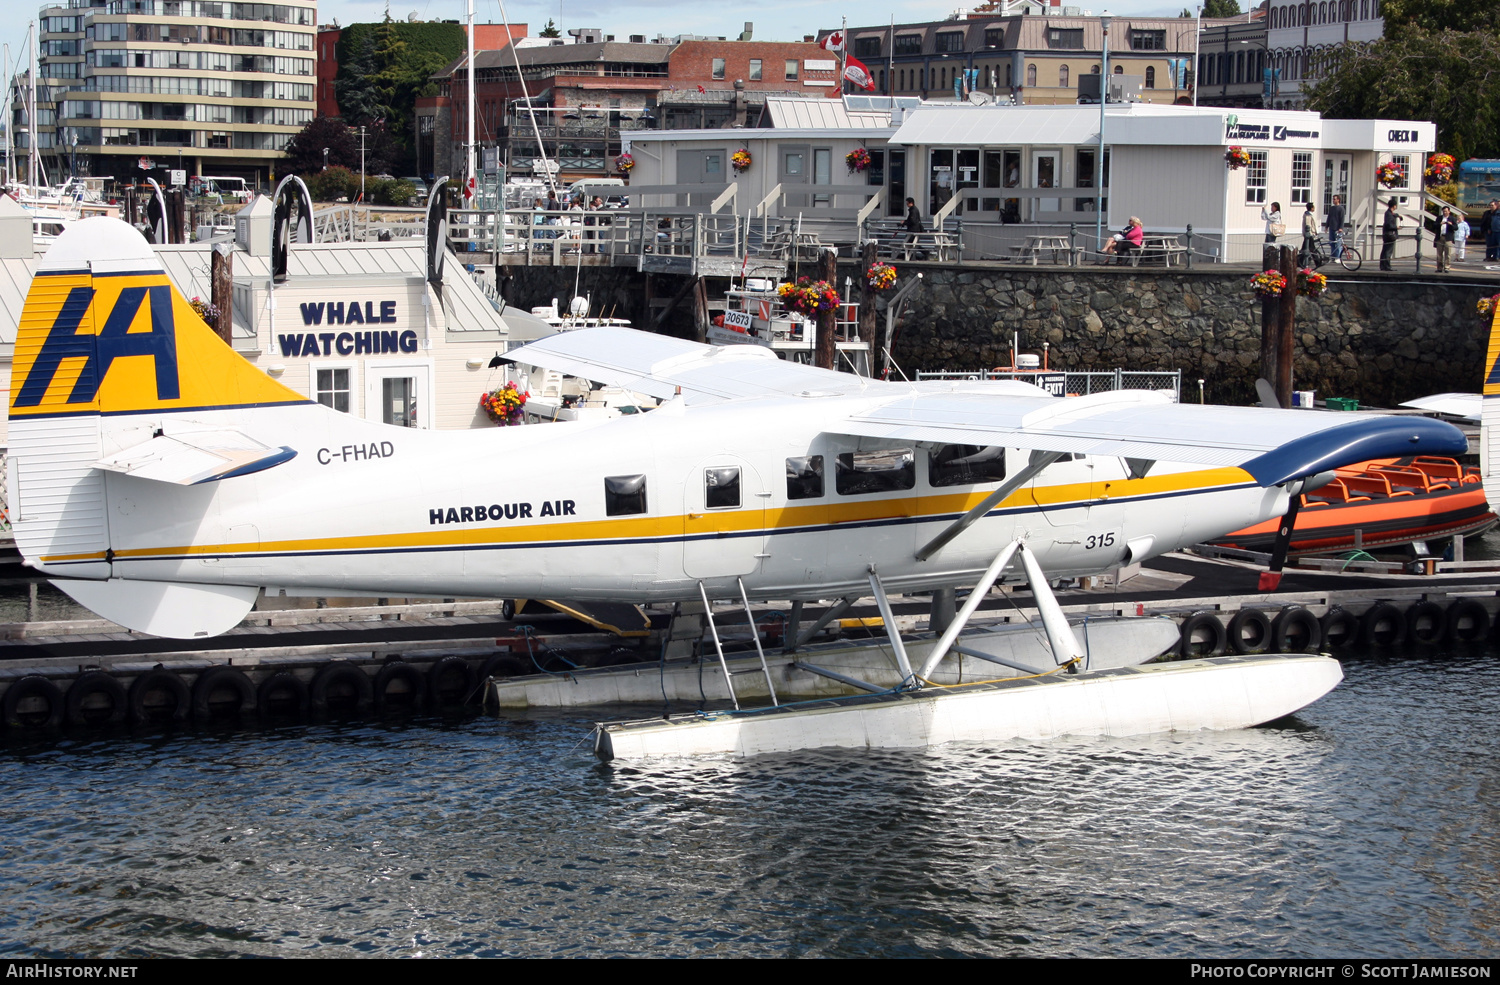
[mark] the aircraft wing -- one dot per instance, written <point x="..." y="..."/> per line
<point x="1274" y="446"/>
<point x="659" y="364"/>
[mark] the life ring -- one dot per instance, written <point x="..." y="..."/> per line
<point x="1467" y="621"/>
<point x="1250" y="631"/>
<point x="30" y="689"/>
<point x="1202" y="635"/>
<point x="1425" y="622"/>
<point x="283" y="694"/>
<point x="450" y="683"/>
<point x="222" y="692"/>
<point x="340" y="687"/>
<point x="1340" y="628"/>
<point x="409" y="697"/>
<point x="1296" y="630"/>
<point x="503" y="665"/>
<point x="158" y="695"/>
<point x="1382" y="625"/>
<point x="80" y="712"/>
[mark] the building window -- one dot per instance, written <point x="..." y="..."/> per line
<point x="1010" y="76"/>
<point x="1255" y="179"/>
<point x="949" y="41"/>
<point x="908" y="44"/>
<point x="791" y="69"/>
<point x="1150" y="76"/>
<point x="1301" y="178"/>
<point x="1065" y="37"/>
<point x="866" y="47"/>
<point x="1062" y="76"/>
<point x="333" y="389"/>
<point x="755" y="70"/>
<point x="994" y="37"/>
<point x="1031" y="74"/>
<point x="1148" y="40"/>
<point x="718" y="68"/>
<point x="1403" y="162"/>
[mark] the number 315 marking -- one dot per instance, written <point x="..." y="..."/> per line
<point x="1099" y="540"/>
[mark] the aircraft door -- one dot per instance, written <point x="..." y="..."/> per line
<point x="724" y="519"/>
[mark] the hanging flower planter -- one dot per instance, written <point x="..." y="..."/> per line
<point x="857" y="160"/>
<point x="504" y="405"/>
<point x="1268" y="284"/>
<point x="740" y="160"/>
<point x="1311" y="284"/>
<point x="1487" y="305"/>
<point x="1236" y="158"/>
<point x="207" y="310"/>
<point x="808" y="297"/>
<point x="881" y="276"/>
<point x="624" y="163"/>
<point x="1439" y="169"/>
<point x="1389" y="175"/>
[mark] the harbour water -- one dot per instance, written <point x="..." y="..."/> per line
<point x="1365" y="826"/>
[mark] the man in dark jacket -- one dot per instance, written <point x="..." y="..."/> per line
<point x="1489" y="228"/>
<point x="1334" y="223"/>
<point x="913" y="225"/>
<point x="1390" y="231"/>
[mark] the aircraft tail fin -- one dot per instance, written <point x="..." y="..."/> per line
<point x="1489" y="415"/>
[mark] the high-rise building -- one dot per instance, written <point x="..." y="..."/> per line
<point x="209" y="86"/>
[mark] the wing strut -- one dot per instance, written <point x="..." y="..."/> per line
<point x="1039" y="460"/>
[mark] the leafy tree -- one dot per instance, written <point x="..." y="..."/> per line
<point x="305" y="150"/>
<point x="1221" y="8"/>
<point x="550" y="31"/>
<point x="1440" y="15"/>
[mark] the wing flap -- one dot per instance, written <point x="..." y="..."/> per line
<point x="193" y="457"/>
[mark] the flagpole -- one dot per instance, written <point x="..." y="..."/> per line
<point x="843" y="52"/>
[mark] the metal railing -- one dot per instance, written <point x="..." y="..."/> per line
<point x="1079" y="383"/>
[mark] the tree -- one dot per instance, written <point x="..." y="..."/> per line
<point x="305" y="150"/>
<point x="1221" y="8"/>
<point x="383" y="68"/>
<point x="550" y="31"/>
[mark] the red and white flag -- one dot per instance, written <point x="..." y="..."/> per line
<point x="470" y="187"/>
<point x="701" y="89"/>
<point x="834" y="42"/>
<point x="856" y="72"/>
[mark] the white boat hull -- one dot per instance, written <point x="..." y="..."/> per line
<point x="1217" y="693"/>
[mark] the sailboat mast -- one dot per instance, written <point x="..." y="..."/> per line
<point x="470" y="181"/>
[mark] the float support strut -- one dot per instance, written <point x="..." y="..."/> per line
<point x="945" y="642"/>
<point x="891" y="632"/>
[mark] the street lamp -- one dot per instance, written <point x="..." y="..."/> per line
<point x="1104" y="22"/>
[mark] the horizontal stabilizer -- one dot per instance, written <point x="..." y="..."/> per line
<point x="194" y="457"/>
<point x="167" y="609"/>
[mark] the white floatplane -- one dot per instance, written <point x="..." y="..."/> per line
<point x="163" y="481"/>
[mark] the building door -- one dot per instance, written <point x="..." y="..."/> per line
<point x="701" y="167"/>
<point x="1044" y="174"/>
<point x="1336" y="180"/>
<point x="399" y="394"/>
<point x="793" y="171"/>
<point x="895" y="203"/>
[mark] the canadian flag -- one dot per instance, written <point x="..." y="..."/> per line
<point x="470" y="187"/>
<point x="856" y="72"/>
<point x="834" y="42"/>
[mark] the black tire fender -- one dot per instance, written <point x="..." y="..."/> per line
<point x="341" y="687"/>
<point x="1425" y="622"/>
<point x="1207" y="626"/>
<point x="450" y="683"/>
<point x="33" y="686"/>
<point x="1250" y="631"/>
<point x="504" y="665"/>
<point x="87" y="685"/>
<point x="215" y="681"/>
<point x="1467" y="621"/>
<point x="416" y="686"/>
<point x="282" y="693"/>
<point x="1340" y="629"/>
<point x="1296" y="630"/>
<point x="157" y="681"/>
<point x="1382" y="625"/>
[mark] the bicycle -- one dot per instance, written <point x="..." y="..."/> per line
<point x="1349" y="257"/>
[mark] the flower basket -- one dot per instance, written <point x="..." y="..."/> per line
<point x="1388" y="174"/>
<point x="857" y="160"/>
<point x="809" y="297"/>
<point x="1439" y="169"/>
<point x="740" y="160"/>
<point x="504" y="405"/>
<point x="1236" y="158"/>
<point x="207" y="310"/>
<point x="1268" y="284"/>
<point x="624" y="163"/>
<point x="1487" y="305"/>
<point x="1311" y="284"/>
<point x="881" y="276"/>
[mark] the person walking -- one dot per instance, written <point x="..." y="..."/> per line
<point x="1334" y="223"/>
<point x="913" y="227"/>
<point x="1390" y="230"/>
<point x="1274" y="226"/>
<point x="1461" y="236"/>
<point x="1309" y="237"/>
<point x="1489" y="224"/>
<point x="1442" y="238"/>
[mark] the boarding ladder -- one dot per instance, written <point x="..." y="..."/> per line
<point x="729" y="675"/>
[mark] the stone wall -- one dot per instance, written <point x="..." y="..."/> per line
<point x="1379" y="339"/>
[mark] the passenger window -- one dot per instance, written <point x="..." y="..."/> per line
<point x="804" y="477"/>
<point x="624" y="495"/>
<point x="965" y="465"/>
<point x="882" y="470"/>
<point x="721" y="488"/>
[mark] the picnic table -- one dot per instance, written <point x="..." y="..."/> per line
<point x="929" y="243"/>
<point x="1058" y="246"/>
